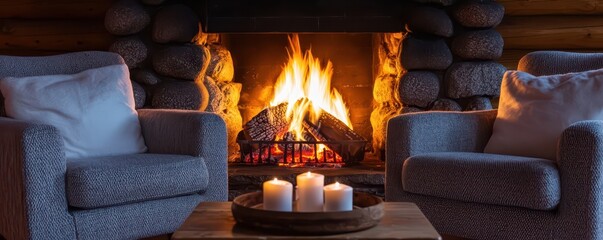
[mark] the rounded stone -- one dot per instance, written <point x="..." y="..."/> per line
<point x="430" y="20"/>
<point x="384" y="89"/>
<point x="216" y="98"/>
<point x="479" y="13"/>
<point x="478" y="103"/>
<point x="379" y="118"/>
<point x="184" y="61"/>
<point x="439" y="2"/>
<point x="445" y="104"/>
<point x="175" y="23"/>
<point x="180" y="95"/>
<point x="220" y="66"/>
<point x="408" y="109"/>
<point x="232" y="94"/>
<point x="234" y="124"/>
<point x="419" y="88"/>
<point x="213" y="38"/>
<point x="126" y="17"/>
<point x="468" y="79"/>
<point x="146" y="76"/>
<point x="425" y="54"/>
<point x="481" y="44"/>
<point x="140" y="95"/>
<point x="132" y="50"/>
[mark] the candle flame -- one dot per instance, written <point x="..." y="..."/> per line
<point x="275" y="179"/>
<point x="309" y="174"/>
<point x="337" y="184"/>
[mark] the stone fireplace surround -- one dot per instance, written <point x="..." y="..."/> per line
<point x="400" y="57"/>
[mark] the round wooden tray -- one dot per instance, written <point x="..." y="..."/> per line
<point x="367" y="212"/>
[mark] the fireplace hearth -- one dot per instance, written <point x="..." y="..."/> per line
<point x="388" y="58"/>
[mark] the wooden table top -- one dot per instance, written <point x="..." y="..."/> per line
<point x="214" y="220"/>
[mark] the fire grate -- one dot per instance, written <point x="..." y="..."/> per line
<point x="301" y="153"/>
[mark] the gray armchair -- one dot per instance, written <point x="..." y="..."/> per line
<point x="46" y="196"/>
<point x="436" y="160"/>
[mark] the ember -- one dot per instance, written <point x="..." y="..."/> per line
<point x="307" y="122"/>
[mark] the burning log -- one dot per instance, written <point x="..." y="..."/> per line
<point x="267" y="124"/>
<point x="329" y="128"/>
<point x="271" y="124"/>
<point x="290" y="137"/>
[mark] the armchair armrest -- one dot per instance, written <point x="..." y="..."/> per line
<point x="33" y="202"/>
<point x="192" y="133"/>
<point x="580" y="161"/>
<point x="416" y="133"/>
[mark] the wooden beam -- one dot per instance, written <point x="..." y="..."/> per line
<point x="54" y="35"/>
<point x="55" y="9"/>
<point x="552" y="32"/>
<point x="552" y="7"/>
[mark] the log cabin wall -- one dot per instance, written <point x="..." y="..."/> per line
<point x="569" y="25"/>
<point x="41" y="27"/>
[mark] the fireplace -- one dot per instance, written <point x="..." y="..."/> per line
<point x="388" y="58"/>
<point x="307" y="121"/>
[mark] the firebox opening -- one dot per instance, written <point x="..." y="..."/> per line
<point x="262" y="65"/>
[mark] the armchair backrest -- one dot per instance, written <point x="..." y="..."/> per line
<point x="69" y="63"/>
<point x="555" y="62"/>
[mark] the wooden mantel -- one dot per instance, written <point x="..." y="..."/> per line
<point x="41" y="27"/>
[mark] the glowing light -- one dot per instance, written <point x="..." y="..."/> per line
<point x="306" y="86"/>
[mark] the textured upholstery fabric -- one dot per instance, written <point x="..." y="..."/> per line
<point x="33" y="167"/>
<point x="555" y="62"/>
<point x="578" y="215"/>
<point x="581" y="168"/>
<point x="416" y="133"/>
<point x="484" y="178"/>
<point x="198" y="134"/>
<point x="579" y="162"/>
<point x="124" y="222"/>
<point x="106" y="181"/>
<point x="32" y="159"/>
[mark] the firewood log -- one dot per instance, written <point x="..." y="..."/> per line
<point x="267" y="124"/>
<point x="329" y="128"/>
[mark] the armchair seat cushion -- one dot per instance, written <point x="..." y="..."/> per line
<point x="107" y="181"/>
<point x="504" y="180"/>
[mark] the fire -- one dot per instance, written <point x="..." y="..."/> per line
<point x="306" y="86"/>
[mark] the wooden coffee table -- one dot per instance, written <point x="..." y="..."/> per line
<point x="214" y="220"/>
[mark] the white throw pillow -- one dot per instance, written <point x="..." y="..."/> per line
<point x="534" y="111"/>
<point x="93" y="109"/>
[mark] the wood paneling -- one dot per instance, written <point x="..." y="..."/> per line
<point x="42" y="27"/>
<point x="552" y="32"/>
<point x="564" y="25"/>
<point x="55" y="9"/>
<point x="552" y="7"/>
<point x="52" y="35"/>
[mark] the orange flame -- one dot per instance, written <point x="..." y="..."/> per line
<point x="306" y="87"/>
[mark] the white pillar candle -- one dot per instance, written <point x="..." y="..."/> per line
<point x="310" y="191"/>
<point x="278" y="195"/>
<point x="338" y="197"/>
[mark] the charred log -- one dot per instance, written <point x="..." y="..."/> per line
<point x="267" y="124"/>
